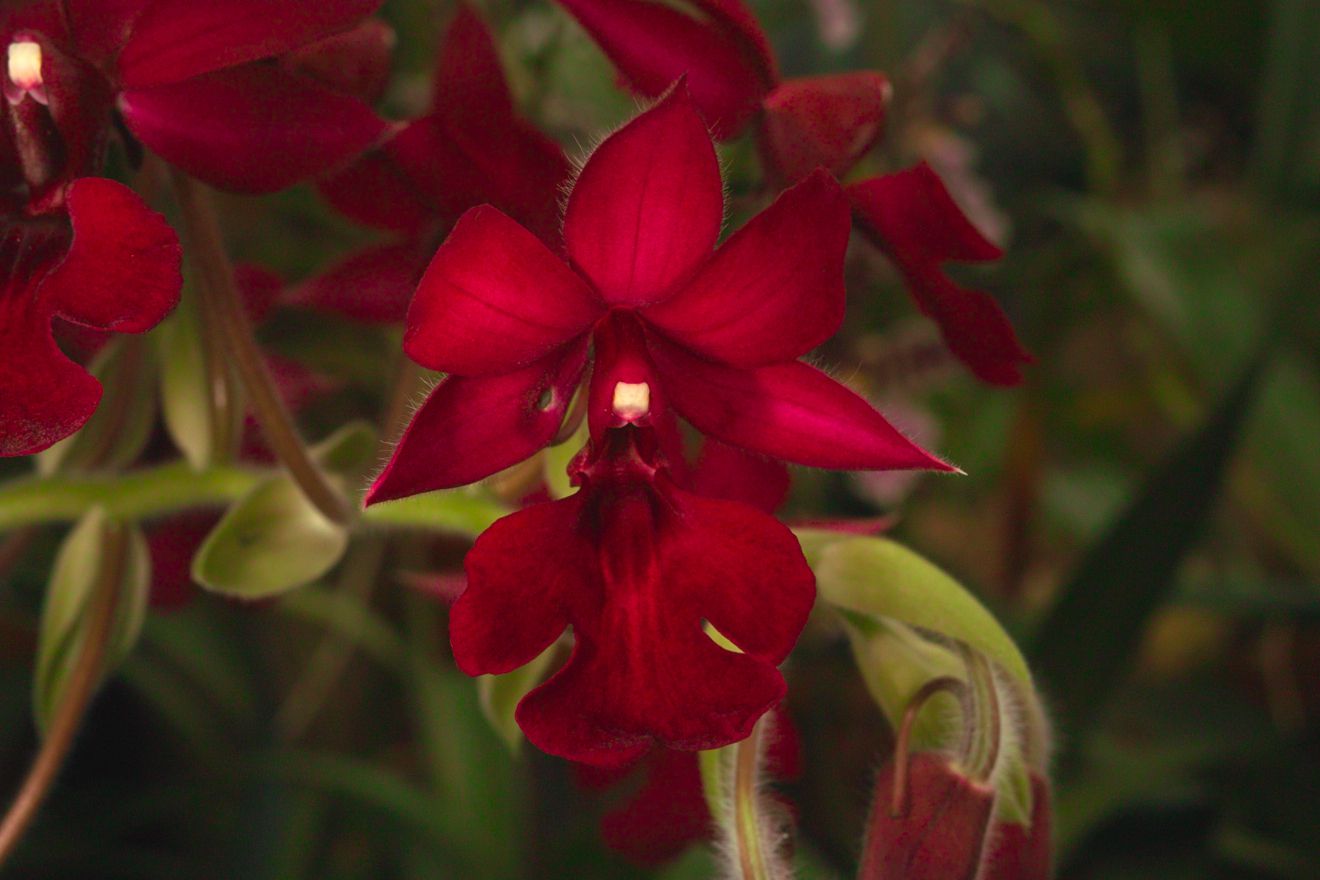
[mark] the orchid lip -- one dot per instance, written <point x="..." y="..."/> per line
<point x="24" y="63"/>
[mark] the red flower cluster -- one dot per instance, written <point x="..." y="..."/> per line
<point x="224" y="90"/>
<point x="634" y="561"/>
<point x="471" y="148"/>
<point x="806" y="123"/>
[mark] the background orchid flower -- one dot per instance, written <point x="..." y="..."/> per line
<point x="472" y="148"/>
<point x="81" y="248"/>
<point x="805" y="123"/>
<point x="201" y="84"/>
<point x="712" y="336"/>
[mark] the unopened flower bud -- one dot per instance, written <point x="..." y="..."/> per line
<point x="928" y="823"/>
<point x="1022" y="852"/>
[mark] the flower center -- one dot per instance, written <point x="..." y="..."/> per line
<point x="632" y="400"/>
<point x="25" y="72"/>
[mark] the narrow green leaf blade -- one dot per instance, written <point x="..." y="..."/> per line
<point x="1083" y="647"/>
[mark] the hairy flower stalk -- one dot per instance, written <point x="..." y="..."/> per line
<point x="752" y="829"/>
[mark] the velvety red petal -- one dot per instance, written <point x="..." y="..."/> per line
<point x="643" y="671"/>
<point x="173" y="40"/>
<point x="100" y="28"/>
<point x="494" y="298"/>
<point x="355" y="62"/>
<point x="789" y="411"/>
<point x="725" y="471"/>
<point x="653" y="45"/>
<point x="44" y="396"/>
<point x="122" y="271"/>
<point x="469" y="76"/>
<point x="666" y="816"/>
<point x="375" y="190"/>
<point x="519" y="572"/>
<point x="941" y="831"/>
<point x="470" y="428"/>
<point x="173" y="543"/>
<point x="255" y="128"/>
<point x="914" y="214"/>
<point x="829" y="121"/>
<point x="915" y="221"/>
<point x="373" y="285"/>
<point x="774" y="290"/>
<point x="646" y="209"/>
<point x="491" y="159"/>
<point x="737" y="20"/>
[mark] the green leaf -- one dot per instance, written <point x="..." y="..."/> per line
<point x="65" y="620"/>
<point x="500" y="695"/>
<point x="120" y="428"/>
<point x="271" y="541"/>
<point x="468" y="511"/>
<point x="1087" y="640"/>
<point x="350" y="451"/>
<point x="878" y="577"/>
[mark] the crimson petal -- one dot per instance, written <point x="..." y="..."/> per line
<point x="646" y="209"/>
<point x="173" y="40"/>
<point x="525" y="565"/>
<point x="653" y="45"/>
<point x="913" y="218"/>
<point x="373" y="285"/>
<point x="775" y="289"/>
<point x="469" y="78"/>
<point x="375" y="190"/>
<point x="255" y="128"/>
<point x="643" y="671"/>
<point x="470" y="428"/>
<point x="355" y="62"/>
<point x="494" y="298"/>
<point x="122" y="272"/>
<point x="44" y="396"/>
<point x="100" y="28"/>
<point x="828" y="121"/>
<point x="789" y="411"/>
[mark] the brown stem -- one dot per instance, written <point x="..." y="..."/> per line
<point x="231" y="324"/>
<point x="78" y="693"/>
<point x="902" y="748"/>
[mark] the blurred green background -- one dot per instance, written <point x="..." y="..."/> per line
<point x="1144" y="512"/>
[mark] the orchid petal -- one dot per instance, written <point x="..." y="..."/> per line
<point x="789" y="411"/>
<point x="775" y="289"/>
<point x="255" y="128"/>
<point x="647" y="207"/>
<point x="122" y="271"/>
<point x="174" y="40"/>
<point x="494" y="298"/>
<point x="469" y="429"/>
<point x="653" y="45"/>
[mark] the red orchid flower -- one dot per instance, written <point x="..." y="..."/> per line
<point x="805" y="123"/>
<point x="80" y="248"/>
<point x="676" y="327"/>
<point x="201" y="84"/>
<point x="635" y="565"/>
<point x="470" y="149"/>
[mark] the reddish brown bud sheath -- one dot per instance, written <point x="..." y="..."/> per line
<point x="939" y="834"/>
